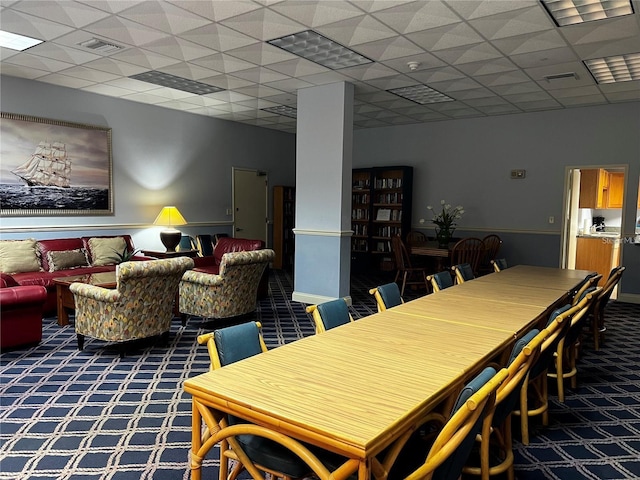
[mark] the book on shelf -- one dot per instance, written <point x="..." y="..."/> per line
<point x="384" y="214"/>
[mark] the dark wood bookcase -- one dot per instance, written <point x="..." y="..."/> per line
<point x="381" y="201"/>
<point x="284" y="202"/>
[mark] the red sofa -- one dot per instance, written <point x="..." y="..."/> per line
<point x="44" y="277"/>
<point x="21" y="309"/>
<point x="211" y="264"/>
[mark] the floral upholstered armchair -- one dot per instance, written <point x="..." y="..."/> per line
<point x="231" y="293"/>
<point x="141" y="305"/>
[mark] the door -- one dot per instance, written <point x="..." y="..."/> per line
<point x="250" y="190"/>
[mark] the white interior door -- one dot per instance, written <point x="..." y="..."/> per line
<point x="250" y="191"/>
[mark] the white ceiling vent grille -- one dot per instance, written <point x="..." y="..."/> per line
<point x="101" y="46"/>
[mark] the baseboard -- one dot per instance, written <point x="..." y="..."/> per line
<point x="629" y="297"/>
<point x="312" y="299"/>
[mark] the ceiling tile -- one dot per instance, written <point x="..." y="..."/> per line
<point x="355" y="31"/>
<point x="163" y="16"/>
<point x="513" y="23"/>
<point x="316" y="13"/>
<point x="217" y="10"/>
<point x="263" y="24"/>
<point x="34" y="27"/>
<point x="68" y="13"/>
<point x="479" y="52"/>
<point x="218" y="37"/>
<point x="65" y="81"/>
<point x="417" y="16"/>
<point x="123" y="31"/>
<point x="450" y="36"/>
<point x="395" y="47"/>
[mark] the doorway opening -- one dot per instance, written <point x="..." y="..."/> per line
<point x="593" y="218"/>
<point x="250" y="193"/>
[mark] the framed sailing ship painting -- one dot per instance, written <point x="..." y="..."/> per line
<point x="52" y="167"/>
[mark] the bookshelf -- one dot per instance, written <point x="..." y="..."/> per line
<point x="284" y="201"/>
<point x="380" y="208"/>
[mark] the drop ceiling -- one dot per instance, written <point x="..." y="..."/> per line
<point x="492" y="57"/>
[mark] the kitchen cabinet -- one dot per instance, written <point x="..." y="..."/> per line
<point x="594" y="185"/>
<point x="600" y="188"/>
<point x="616" y="190"/>
<point x="598" y="254"/>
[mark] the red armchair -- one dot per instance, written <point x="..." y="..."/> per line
<point x="21" y="310"/>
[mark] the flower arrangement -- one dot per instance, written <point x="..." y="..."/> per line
<point x="446" y="221"/>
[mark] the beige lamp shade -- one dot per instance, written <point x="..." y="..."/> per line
<point x="170" y="216"/>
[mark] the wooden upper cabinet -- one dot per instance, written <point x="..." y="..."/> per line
<point x="616" y="190"/>
<point x="601" y="189"/>
<point x="592" y="188"/>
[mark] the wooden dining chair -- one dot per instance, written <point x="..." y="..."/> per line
<point x="598" y="327"/>
<point x="588" y="283"/>
<point x="330" y="314"/>
<point x="226" y="346"/>
<point x="566" y="354"/>
<point x="387" y="296"/>
<point x="414" y="237"/>
<point x="410" y="275"/>
<point x="492" y="244"/>
<point x="440" y="281"/>
<point x="468" y="250"/>
<point x="496" y="445"/>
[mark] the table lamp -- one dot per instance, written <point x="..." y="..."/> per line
<point x="170" y="216"/>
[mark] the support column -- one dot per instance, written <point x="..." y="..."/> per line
<point x="323" y="193"/>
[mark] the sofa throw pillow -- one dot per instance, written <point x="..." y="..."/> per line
<point x="19" y="256"/>
<point x="67" y="259"/>
<point x="106" y="251"/>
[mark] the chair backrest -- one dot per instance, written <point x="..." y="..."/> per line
<point x="415" y="237"/>
<point x="463" y="272"/>
<point x="588" y="283"/>
<point x="205" y="245"/>
<point x="452" y="447"/>
<point x="330" y="314"/>
<point x="499" y="264"/>
<point x="400" y="253"/>
<point x="387" y="296"/>
<point x="231" y="344"/>
<point x="492" y="245"/>
<point x="186" y="243"/>
<point x="468" y="250"/>
<point x="605" y="294"/>
<point x="441" y="280"/>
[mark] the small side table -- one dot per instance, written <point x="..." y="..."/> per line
<point x="182" y="253"/>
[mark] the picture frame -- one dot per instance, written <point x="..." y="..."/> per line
<point x="54" y="168"/>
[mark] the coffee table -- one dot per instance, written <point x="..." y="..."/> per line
<point x="65" y="300"/>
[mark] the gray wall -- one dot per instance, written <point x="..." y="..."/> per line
<point x="160" y="157"/>
<point x="468" y="162"/>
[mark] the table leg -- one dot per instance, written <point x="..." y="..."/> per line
<point x="63" y="315"/>
<point x="196" y="442"/>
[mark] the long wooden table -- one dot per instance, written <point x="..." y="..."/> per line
<point x="355" y="389"/>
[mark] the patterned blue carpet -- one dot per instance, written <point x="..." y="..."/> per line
<point x="90" y="415"/>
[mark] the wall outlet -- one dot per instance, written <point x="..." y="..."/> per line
<point x="518" y="174"/>
<point x="229" y="212"/>
<point x="552" y="219"/>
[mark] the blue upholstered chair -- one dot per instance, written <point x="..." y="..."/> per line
<point x="330" y="314"/>
<point x="495" y="442"/>
<point x="226" y="346"/>
<point x="499" y="264"/>
<point x="186" y="243"/>
<point x="566" y="354"/>
<point x="534" y="398"/>
<point x="387" y="296"/>
<point x="463" y="272"/>
<point x="440" y="281"/>
<point x="448" y="453"/>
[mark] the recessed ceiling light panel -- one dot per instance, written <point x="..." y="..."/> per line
<point x="17" y="42"/>
<point x="179" y="83"/>
<point x="571" y="12"/>
<point x="618" y="68"/>
<point x="319" y="49"/>
<point x="421" y="94"/>
<point x="285" y="110"/>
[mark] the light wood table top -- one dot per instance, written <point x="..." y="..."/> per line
<point x="542" y="277"/>
<point x="353" y="388"/>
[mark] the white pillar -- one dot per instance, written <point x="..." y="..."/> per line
<point x="323" y="193"/>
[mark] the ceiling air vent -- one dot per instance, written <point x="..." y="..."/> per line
<point x="561" y="76"/>
<point x="101" y="46"/>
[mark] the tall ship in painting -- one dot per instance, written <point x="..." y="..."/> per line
<point x="48" y="166"/>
